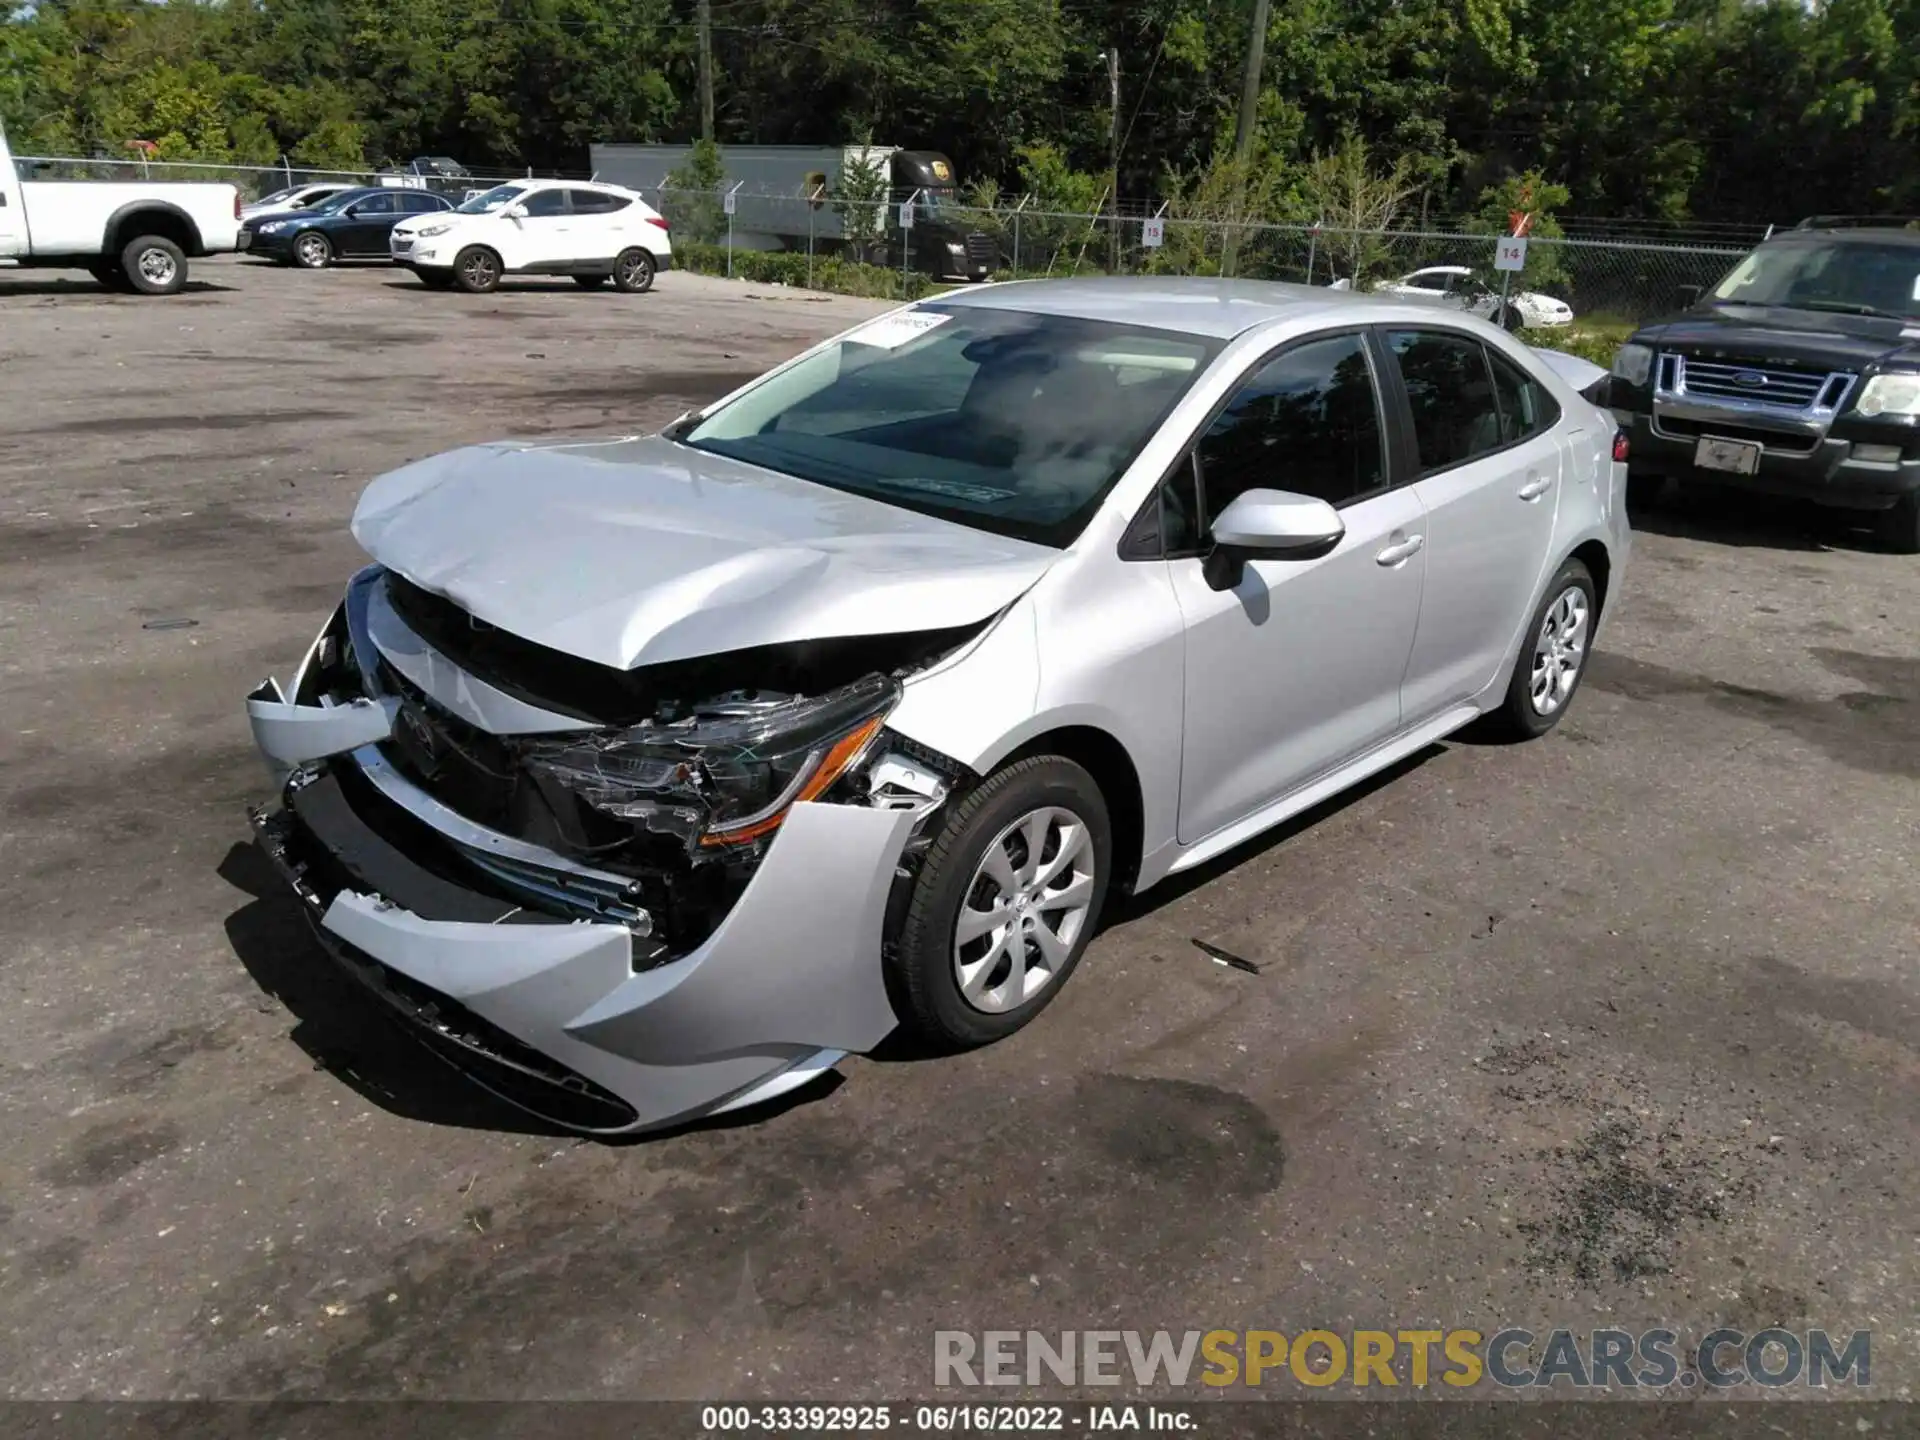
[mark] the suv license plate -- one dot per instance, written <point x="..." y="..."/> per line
<point x="1742" y="457"/>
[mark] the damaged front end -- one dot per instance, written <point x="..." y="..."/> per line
<point x="620" y="908"/>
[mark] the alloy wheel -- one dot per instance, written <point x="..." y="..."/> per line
<point x="1559" y="650"/>
<point x="1024" y="910"/>
<point x="157" y="267"/>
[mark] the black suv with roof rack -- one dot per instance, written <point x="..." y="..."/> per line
<point x="1798" y="374"/>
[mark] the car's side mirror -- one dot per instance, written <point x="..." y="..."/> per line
<point x="1269" y="525"/>
<point x="1685" y="297"/>
<point x="515" y="212"/>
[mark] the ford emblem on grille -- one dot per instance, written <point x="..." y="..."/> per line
<point x="1750" y="378"/>
<point x="420" y="732"/>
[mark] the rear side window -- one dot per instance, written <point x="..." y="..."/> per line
<point x="1526" y="408"/>
<point x="1456" y="414"/>
<point x="547" y="202"/>
<point x="597" y="202"/>
<point x="1307" y="421"/>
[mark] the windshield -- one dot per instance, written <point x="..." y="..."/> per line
<point x="277" y="196"/>
<point x="487" y="201"/>
<point x="1855" y="277"/>
<point x="1001" y="420"/>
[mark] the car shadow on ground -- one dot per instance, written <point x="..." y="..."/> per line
<point x="10" y="285"/>
<point x="347" y="1033"/>
<point x="517" y="286"/>
<point x="1728" y="516"/>
<point x="903" y="1046"/>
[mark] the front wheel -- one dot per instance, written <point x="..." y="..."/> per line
<point x="633" y="271"/>
<point x="312" y="251"/>
<point x="154" y="265"/>
<point x="1553" y="656"/>
<point x="1005" y="902"/>
<point x="476" y="270"/>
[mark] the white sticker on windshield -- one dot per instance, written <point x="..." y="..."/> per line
<point x="890" y="332"/>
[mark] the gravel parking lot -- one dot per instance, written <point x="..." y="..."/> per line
<point x="1618" y="1028"/>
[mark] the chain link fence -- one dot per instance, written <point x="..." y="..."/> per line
<point x="1602" y="280"/>
<point x="1606" y="280"/>
<point x="256" y="181"/>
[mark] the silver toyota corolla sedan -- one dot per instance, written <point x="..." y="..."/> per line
<point x="647" y="777"/>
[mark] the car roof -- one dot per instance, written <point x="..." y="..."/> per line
<point x="1192" y="305"/>
<point x="1849" y="235"/>
<point x="1442" y="270"/>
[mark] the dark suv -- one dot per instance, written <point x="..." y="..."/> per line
<point x="1798" y="374"/>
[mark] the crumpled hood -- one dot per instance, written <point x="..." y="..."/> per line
<point x="634" y="552"/>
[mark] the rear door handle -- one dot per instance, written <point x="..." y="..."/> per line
<point x="1536" y="487"/>
<point x="1402" y="550"/>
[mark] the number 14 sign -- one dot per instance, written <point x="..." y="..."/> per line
<point x="1511" y="253"/>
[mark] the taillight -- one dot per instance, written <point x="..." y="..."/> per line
<point x="1620" y="447"/>
<point x="236" y="204"/>
<point x="659" y="220"/>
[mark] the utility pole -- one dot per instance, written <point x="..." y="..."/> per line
<point x="703" y="20"/>
<point x="1112" y="56"/>
<point x="1243" y="127"/>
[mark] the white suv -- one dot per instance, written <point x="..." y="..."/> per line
<point x="538" y="227"/>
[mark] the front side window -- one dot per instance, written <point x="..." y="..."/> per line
<point x="375" y="205"/>
<point x="547" y="203"/>
<point x="1006" y="421"/>
<point x="1847" y="277"/>
<point x="1307" y="422"/>
<point x="1456" y="414"/>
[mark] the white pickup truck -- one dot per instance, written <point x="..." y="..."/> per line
<point x="133" y="235"/>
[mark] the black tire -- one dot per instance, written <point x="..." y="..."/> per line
<point x="633" y="271"/>
<point x="1511" y="320"/>
<point x="925" y="958"/>
<point x="1520" y="716"/>
<point x="311" y="250"/>
<point x="1898" y="529"/>
<point x="591" y="282"/>
<point x="476" y="270"/>
<point x="153" y="265"/>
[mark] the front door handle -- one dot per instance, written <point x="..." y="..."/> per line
<point x="1401" y="550"/>
<point x="1536" y="487"/>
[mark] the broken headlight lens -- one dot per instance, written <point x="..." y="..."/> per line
<point x="727" y="772"/>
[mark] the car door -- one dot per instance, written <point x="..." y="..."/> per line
<point x="543" y="236"/>
<point x="1489" y="480"/>
<point x="363" y="230"/>
<point x="599" y="222"/>
<point x="1297" y="667"/>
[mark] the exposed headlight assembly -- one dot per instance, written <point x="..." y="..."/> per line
<point x="1890" y="395"/>
<point x="1633" y="363"/>
<point x="437" y="229"/>
<point x="727" y="773"/>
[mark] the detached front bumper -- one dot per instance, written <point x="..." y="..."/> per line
<point x="575" y="1018"/>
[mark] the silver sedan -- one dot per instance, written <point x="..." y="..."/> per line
<point x="647" y="777"/>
